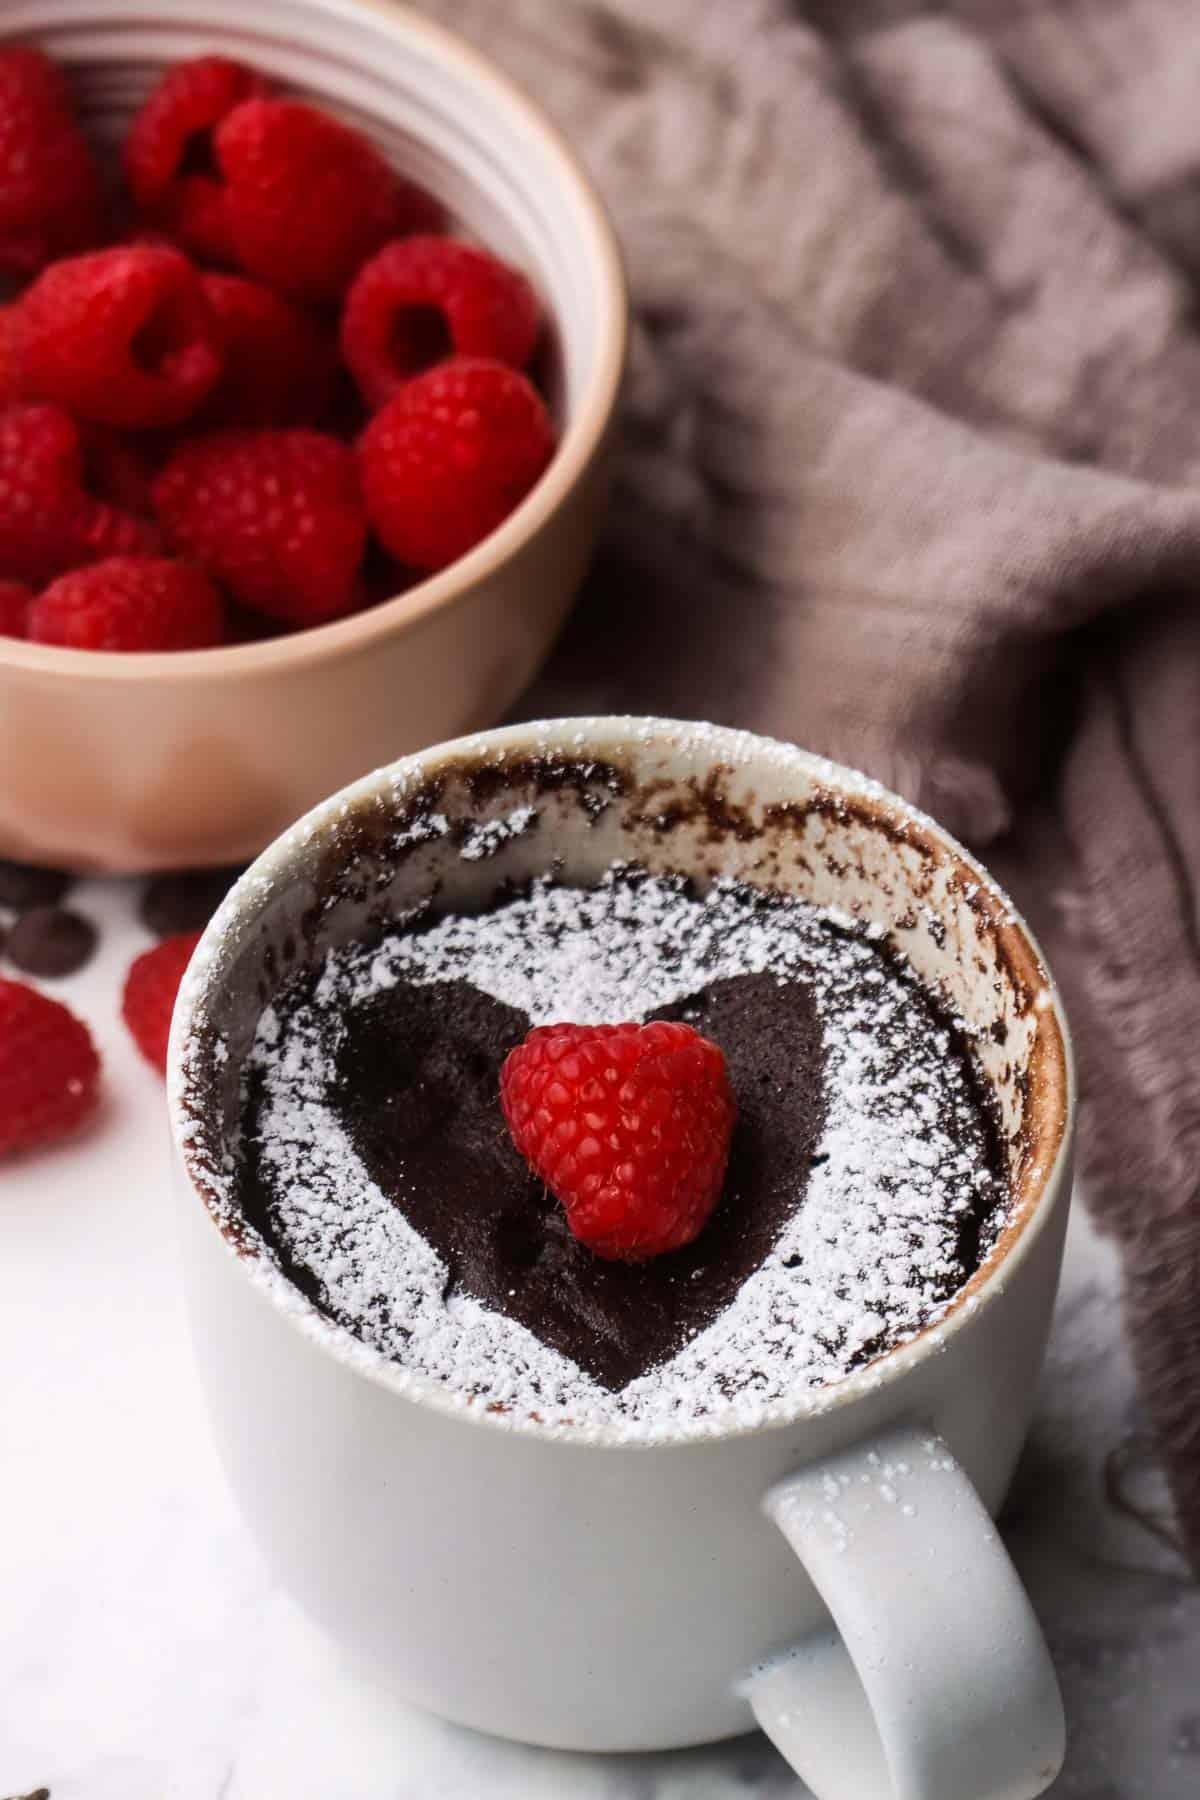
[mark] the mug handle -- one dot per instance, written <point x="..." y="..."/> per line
<point x="935" y="1682"/>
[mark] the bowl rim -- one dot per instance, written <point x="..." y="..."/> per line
<point x="578" y="447"/>
<point x="1048" y="1182"/>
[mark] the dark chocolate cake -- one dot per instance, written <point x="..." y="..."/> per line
<point x="865" y="1180"/>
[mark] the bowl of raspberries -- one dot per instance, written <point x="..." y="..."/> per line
<point x="311" y="334"/>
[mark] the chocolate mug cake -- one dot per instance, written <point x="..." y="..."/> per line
<point x="868" y="1175"/>
<point x="623" y="1167"/>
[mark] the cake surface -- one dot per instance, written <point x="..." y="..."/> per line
<point x="865" y="1181"/>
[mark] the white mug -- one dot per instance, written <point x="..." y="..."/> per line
<point x="831" y="1570"/>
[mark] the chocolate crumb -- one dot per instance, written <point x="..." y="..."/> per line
<point x="50" y="941"/>
<point x="23" y="885"/>
<point x="185" y="900"/>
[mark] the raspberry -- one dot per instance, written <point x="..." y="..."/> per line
<point x="450" y="456"/>
<point x="120" y="467"/>
<point x="629" y="1125"/>
<point x="49" y="522"/>
<point x="10" y="352"/>
<point x="129" y="603"/>
<point x="150" y="989"/>
<point x="278" y="368"/>
<point x="308" y="199"/>
<point x="422" y="298"/>
<point x="49" y="1069"/>
<point x="168" y="154"/>
<point x="14" y="608"/>
<point x="275" y="515"/>
<point x="124" y="337"/>
<point x="50" y="196"/>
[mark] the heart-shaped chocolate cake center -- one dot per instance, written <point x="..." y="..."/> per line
<point x="416" y="1087"/>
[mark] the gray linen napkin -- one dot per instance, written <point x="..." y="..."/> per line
<point x="911" y="477"/>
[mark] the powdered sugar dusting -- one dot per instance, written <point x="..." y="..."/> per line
<point x="866" y="1260"/>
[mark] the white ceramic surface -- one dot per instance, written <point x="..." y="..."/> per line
<point x="575" y="1589"/>
<point x="147" y="1652"/>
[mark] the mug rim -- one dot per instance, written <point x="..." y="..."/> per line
<point x="582" y="736"/>
<point x="581" y="440"/>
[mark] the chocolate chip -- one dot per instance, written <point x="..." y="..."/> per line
<point x="23" y="885"/>
<point x="186" y="900"/>
<point x="49" y="940"/>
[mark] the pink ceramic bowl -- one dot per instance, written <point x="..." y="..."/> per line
<point x="133" y="762"/>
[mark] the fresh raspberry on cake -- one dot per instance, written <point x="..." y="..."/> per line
<point x="424" y="297"/>
<point x="450" y="456"/>
<point x="122" y="337"/>
<point x="150" y="990"/>
<point x="49" y="520"/>
<point x="279" y="369"/>
<point x="628" y="1125"/>
<point x="168" y="155"/>
<point x="309" y="199"/>
<point x="129" y="603"/>
<point x="49" y="1069"/>
<point x="276" y="516"/>
<point x="50" y="194"/>
<point x="15" y="600"/>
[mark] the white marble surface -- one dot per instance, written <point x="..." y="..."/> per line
<point x="146" y="1654"/>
